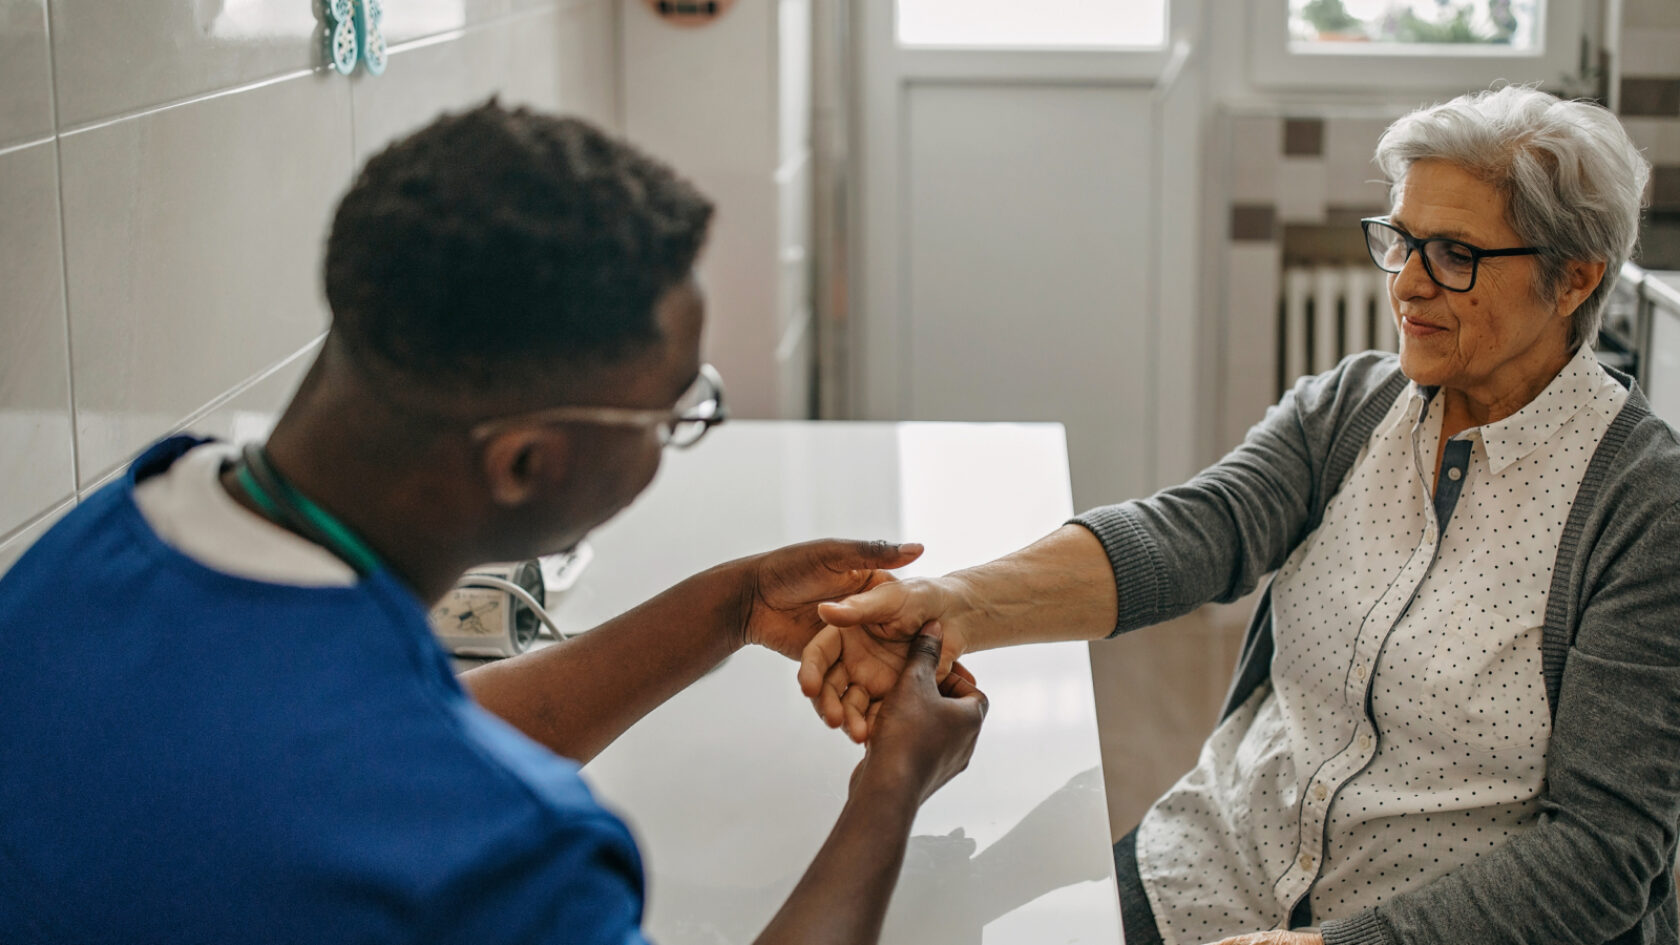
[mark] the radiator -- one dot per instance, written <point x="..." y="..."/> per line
<point x="1327" y="313"/>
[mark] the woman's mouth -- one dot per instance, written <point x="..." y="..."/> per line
<point x="1418" y="328"/>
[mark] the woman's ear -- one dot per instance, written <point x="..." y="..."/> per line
<point x="519" y="464"/>
<point x="1582" y="278"/>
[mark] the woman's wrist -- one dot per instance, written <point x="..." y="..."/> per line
<point x="960" y="613"/>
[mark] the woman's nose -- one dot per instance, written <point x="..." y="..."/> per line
<point x="1413" y="281"/>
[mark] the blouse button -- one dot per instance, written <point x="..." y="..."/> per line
<point x="1455" y="474"/>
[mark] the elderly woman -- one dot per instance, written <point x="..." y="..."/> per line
<point x="1457" y="713"/>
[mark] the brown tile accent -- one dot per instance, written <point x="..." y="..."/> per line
<point x="1665" y="187"/>
<point x="1311" y="245"/>
<point x="1253" y="222"/>
<point x="1343" y="217"/>
<point x="1650" y="98"/>
<point x="1303" y="137"/>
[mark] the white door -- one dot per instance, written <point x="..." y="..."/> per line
<point x="1028" y="233"/>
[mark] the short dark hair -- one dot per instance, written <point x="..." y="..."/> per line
<point x="493" y="244"/>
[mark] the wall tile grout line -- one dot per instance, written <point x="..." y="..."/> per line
<point x="350" y="107"/>
<point x="98" y="123"/>
<point x="216" y="403"/>
<point x="619" y="119"/>
<point x="64" y="258"/>
<point x="421" y="42"/>
<point x="13" y="148"/>
<point x="56" y="507"/>
<point x="417" y="43"/>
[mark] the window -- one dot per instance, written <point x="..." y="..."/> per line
<point x="1038" y="24"/>
<point x="1441" y="46"/>
<point x="1354" y="26"/>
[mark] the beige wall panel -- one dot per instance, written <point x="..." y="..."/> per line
<point x="588" y="54"/>
<point x="112" y="58"/>
<point x="1252" y="275"/>
<point x="251" y="414"/>
<point x="194" y="237"/>
<point x="1353" y="180"/>
<point x="517" y="58"/>
<point x="1028" y="269"/>
<point x="1256" y="151"/>
<point x="35" y="440"/>
<point x="25" y="72"/>
<point x="408" y="20"/>
<point x="1643" y="13"/>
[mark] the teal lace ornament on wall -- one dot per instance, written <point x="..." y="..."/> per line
<point x="372" y="37"/>
<point x="353" y="34"/>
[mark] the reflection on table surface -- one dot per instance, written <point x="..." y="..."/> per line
<point x="732" y="786"/>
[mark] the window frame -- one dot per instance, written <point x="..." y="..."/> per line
<point x="1129" y="65"/>
<point x="1166" y="40"/>
<point x="1450" y="68"/>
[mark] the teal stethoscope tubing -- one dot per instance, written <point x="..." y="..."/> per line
<point x="282" y="504"/>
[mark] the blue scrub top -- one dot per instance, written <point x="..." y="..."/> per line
<point x="189" y="756"/>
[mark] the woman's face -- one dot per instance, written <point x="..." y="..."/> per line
<point x="1498" y="344"/>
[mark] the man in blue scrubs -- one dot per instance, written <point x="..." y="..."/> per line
<point x="223" y="717"/>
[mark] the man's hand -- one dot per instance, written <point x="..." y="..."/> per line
<point x="925" y="731"/>
<point x="782" y="588"/>
<point x="1273" y="938"/>
<point x="856" y="660"/>
<point x="924" y="735"/>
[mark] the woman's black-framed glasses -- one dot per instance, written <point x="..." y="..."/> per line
<point x="1451" y="264"/>
<point x="699" y="409"/>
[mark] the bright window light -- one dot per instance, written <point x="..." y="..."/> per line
<point x="1103" y="24"/>
<point x="1378" y="26"/>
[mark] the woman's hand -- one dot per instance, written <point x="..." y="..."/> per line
<point x="852" y="663"/>
<point x="782" y="588"/>
<point x="1273" y="938"/>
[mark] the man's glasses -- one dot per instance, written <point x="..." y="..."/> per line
<point x="1450" y="263"/>
<point x="699" y="409"/>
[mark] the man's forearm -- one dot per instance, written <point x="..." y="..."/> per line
<point x="1061" y="587"/>
<point x="575" y="697"/>
<point x="842" y="898"/>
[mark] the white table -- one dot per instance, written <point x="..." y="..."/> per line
<point x="732" y="786"/>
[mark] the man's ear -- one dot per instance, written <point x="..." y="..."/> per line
<point x="1583" y="278"/>
<point x="521" y="463"/>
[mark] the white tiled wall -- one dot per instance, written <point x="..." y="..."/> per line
<point x="167" y="173"/>
<point x="730" y="106"/>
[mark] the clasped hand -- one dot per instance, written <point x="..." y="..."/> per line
<point x="851" y="664"/>
<point x="926" y="732"/>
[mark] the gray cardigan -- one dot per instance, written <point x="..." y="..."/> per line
<point x="1598" y="866"/>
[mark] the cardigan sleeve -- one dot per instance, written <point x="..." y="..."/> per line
<point x="1215" y="537"/>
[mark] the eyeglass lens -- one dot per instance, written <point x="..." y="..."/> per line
<point x="694" y="412"/>
<point x="1450" y="263"/>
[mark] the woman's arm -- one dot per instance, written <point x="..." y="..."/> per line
<point x="1212" y="538"/>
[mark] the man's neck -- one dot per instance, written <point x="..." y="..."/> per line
<point x="390" y="513"/>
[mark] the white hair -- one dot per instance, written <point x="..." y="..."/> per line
<point x="1573" y="181"/>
